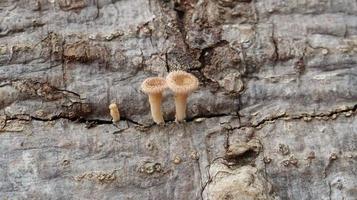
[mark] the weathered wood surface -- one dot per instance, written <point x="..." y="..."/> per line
<point x="274" y="118"/>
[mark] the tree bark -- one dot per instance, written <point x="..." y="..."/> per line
<point x="274" y="116"/>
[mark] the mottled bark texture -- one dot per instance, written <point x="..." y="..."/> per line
<point x="274" y="118"/>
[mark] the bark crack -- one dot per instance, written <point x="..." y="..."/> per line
<point x="275" y="43"/>
<point x="329" y="190"/>
<point x="307" y="117"/>
<point x="89" y="122"/>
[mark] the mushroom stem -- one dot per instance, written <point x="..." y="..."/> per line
<point x="180" y="104"/>
<point x="114" y="112"/>
<point x="155" y="106"/>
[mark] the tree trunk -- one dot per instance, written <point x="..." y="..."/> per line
<point x="274" y="116"/>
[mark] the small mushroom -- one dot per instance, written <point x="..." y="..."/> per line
<point x="114" y="112"/>
<point x="154" y="87"/>
<point x="177" y="160"/>
<point x="182" y="84"/>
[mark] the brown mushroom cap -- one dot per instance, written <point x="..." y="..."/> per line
<point x="113" y="106"/>
<point x="182" y="82"/>
<point x="153" y="85"/>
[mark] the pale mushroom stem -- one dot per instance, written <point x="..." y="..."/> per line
<point x="114" y="112"/>
<point x="180" y="104"/>
<point x="155" y="106"/>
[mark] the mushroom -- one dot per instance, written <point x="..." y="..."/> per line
<point x="114" y="112"/>
<point x="154" y="87"/>
<point x="182" y="84"/>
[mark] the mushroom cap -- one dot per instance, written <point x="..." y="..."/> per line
<point x="154" y="85"/>
<point x="113" y="106"/>
<point x="182" y="82"/>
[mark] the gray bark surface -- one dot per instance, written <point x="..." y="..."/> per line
<point x="274" y="116"/>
